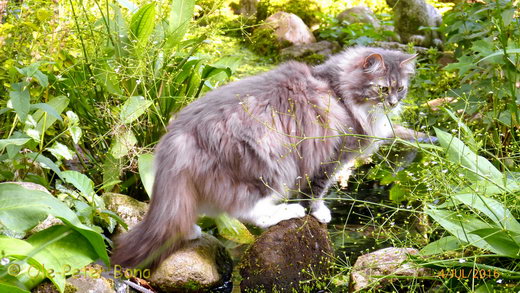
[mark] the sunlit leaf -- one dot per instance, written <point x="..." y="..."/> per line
<point x="232" y="229"/>
<point x="146" y="172"/>
<point x="124" y="142"/>
<point x="133" y="108"/>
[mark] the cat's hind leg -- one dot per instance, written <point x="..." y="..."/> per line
<point x="266" y="212"/>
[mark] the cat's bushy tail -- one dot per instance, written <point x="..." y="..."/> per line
<point x="166" y="225"/>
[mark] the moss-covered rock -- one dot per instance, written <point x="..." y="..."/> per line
<point x="295" y="255"/>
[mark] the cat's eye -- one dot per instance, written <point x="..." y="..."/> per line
<point x="384" y="89"/>
<point x="400" y="89"/>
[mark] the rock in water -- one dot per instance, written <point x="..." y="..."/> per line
<point x="202" y="264"/>
<point x="292" y="255"/>
<point x="391" y="261"/>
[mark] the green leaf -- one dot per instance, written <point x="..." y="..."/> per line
<point x="44" y="162"/>
<point x="58" y="251"/>
<point x="459" y="153"/>
<point x="232" y="229"/>
<point x="124" y="142"/>
<point x="501" y="242"/>
<point x="21" y="209"/>
<point x="33" y="71"/>
<point x="445" y="244"/>
<point x="61" y="151"/>
<point x="397" y="194"/>
<point x="12" y="141"/>
<point x="11" y="289"/>
<point x="460" y="225"/>
<point x="48" y="109"/>
<point x="500" y="53"/>
<point x="133" y="108"/>
<point x="181" y="13"/>
<point x="74" y="129"/>
<point x="20" y="99"/>
<point x="80" y="181"/>
<point x="45" y="121"/>
<point x="143" y="23"/>
<point x="493" y="209"/>
<point x="146" y="172"/>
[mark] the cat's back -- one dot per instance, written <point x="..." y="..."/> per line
<point x="256" y="95"/>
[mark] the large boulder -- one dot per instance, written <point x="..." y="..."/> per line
<point x="410" y="16"/>
<point x="202" y="264"/>
<point x="359" y="14"/>
<point x="291" y="256"/>
<point x="391" y="261"/>
<point x="288" y="28"/>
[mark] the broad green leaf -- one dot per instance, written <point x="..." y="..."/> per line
<point x="20" y="99"/>
<point x="11" y="289"/>
<point x="461" y="225"/>
<point x="445" y="244"/>
<point x="21" y="209"/>
<point x="58" y="251"/>
<point x="232" y="229"/>
<point x="143" y="23"/>
<point x="181" y="13"/>
<point x="133" y="108"/>
<point x="61" y="151"/>
<point x="48" y="109"/>
<point x="492" y="209"/>
<point x="12" y="141"/>
<point x="33" y="71"/>
<point x="108" y="77"/>
<point x="20" y="274"/>
<point x="146" y="172"/>
<point x="459" y="153"/>
<point x="65" y="251"/>
<point x="44" y="162"/>
<point x="501" y="242"/>
<point x="124" y="142"/>
<point x="44" y="120"/>
<point x="80" y="181"/>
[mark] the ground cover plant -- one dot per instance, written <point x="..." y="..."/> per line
<point x="87" y="88"/>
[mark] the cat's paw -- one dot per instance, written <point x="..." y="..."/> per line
<point x="195" y="233"/>
<point x="322" y="214"/>
<point x="280" y="213"/>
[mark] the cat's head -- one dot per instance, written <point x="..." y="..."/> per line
<point x="375" y="76"/>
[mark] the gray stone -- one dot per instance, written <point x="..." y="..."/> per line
<point x="129" y="209"/>
<point x="289" y="27"/>
<point x="289" y="257"/>
<point x="359" y="14"/>
<point x="203" y="263"/>
<point x="410" y="15"/>
<point x="369" y="268"/>
<point x="322" y="48"/>
<point x="90" y="284"/>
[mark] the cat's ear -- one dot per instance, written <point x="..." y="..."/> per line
<point x="374" y="63"/>
<point x="408" y="60"/>
<point x="407" y="65"/>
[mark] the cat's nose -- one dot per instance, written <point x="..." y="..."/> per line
<point x="393" y="101"/>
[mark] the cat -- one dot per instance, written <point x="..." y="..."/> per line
<point x="247" y="146"/>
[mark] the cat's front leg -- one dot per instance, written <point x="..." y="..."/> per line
<point x="266" y="212"/>
<point x="316" y="189"/>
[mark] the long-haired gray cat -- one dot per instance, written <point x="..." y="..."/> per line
<point x="246" y="147"/>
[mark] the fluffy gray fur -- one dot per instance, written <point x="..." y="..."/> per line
<point x="245" y="146"/>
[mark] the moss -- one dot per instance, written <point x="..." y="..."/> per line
<point x="264" y="42"/>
